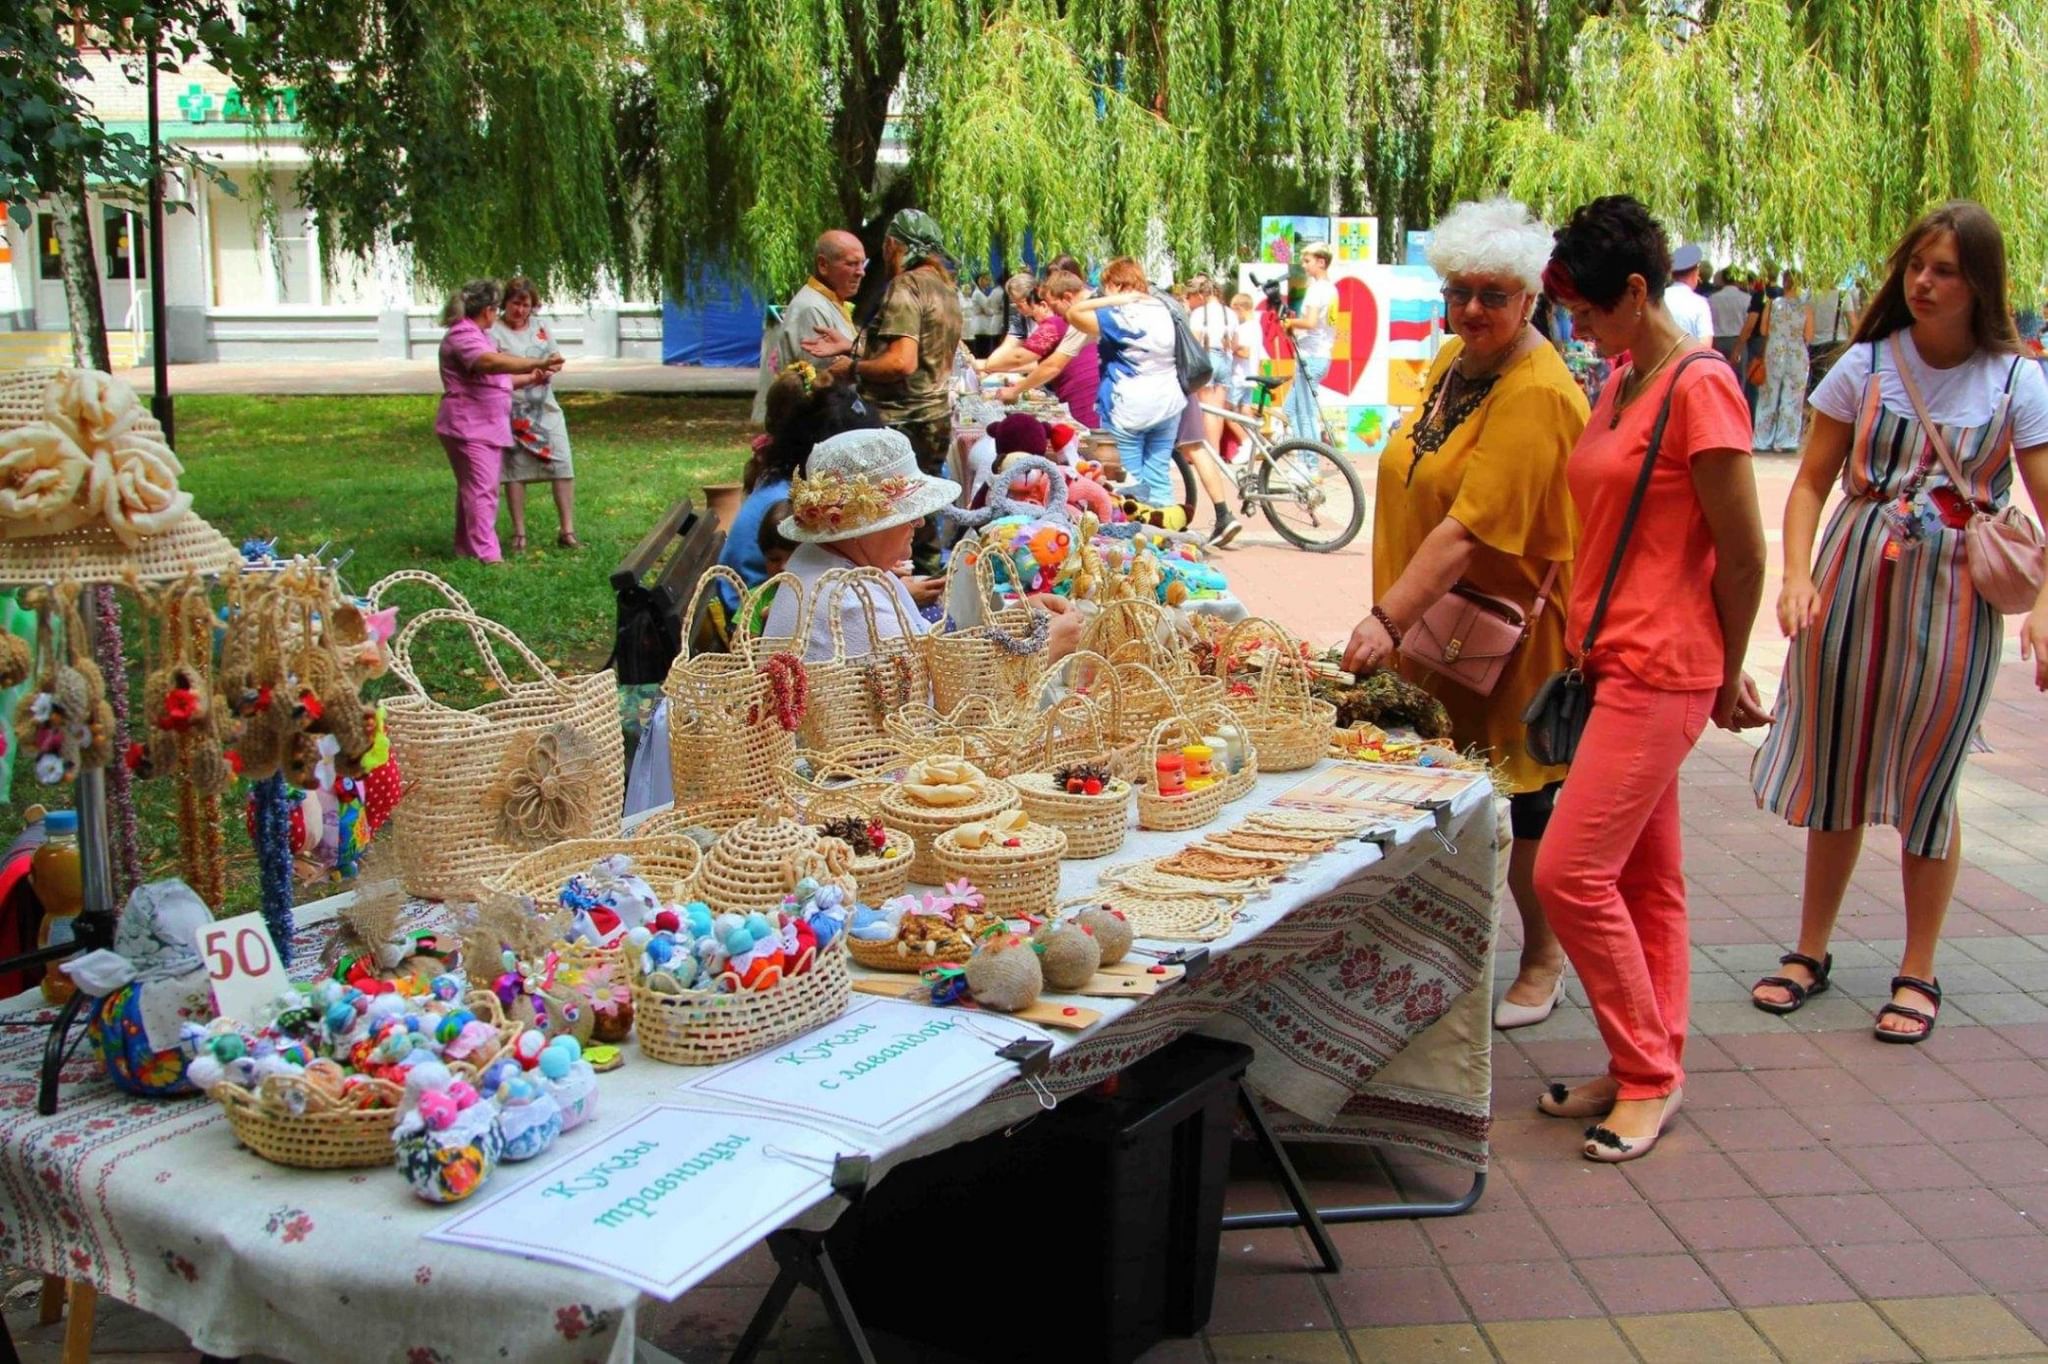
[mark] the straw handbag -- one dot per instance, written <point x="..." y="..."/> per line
<point x="1150" y="696"/>
<point x="1292" y="727"/>
<point x="542" y="762"/>
<point x="1095" y="825"/>
<point x="1013" y="880"/>
<point x="901" y="810"/>
<point x="851" y="695"/>
<point x="727" y="735"/>
<point x="997" y="659"/>
<point x="707" y="1027"/>
<point x="1189" y="810"/>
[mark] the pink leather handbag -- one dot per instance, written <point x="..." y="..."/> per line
<point x="2007" y="557"/>
<point x="1469" y="636"/>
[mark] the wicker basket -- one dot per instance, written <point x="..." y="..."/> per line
<point x="876" y="878"/>
<point x="1174" y="814"/>
<point x="1013" y="881"/>
<point x="450" y="836"/>
<point x="1150" y="695"/>
<point x="852" y="695"/>
<point x="926" y="822"/>
<point x="749" y="867"/>
<point x="1094" y="825"/>
<point x="705" y="1028"/>
<point x="668" y="863"/>
<point x="995" y="660"/>
<point x="890" y="956"/>
<point x="1292" y="728"/>
<point x="990" y="737"/>
<point x="715" y="815"/>
<point x="327" y="1134"/>
<point x="1222" y="721"/>
<point x="724" y="740"/>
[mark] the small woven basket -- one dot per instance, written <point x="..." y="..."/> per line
<point x="1150" y="695"/>
<point x="749" y="867"/>
<point x="1094" y="825"/>
<point x="876" y="877"/>
<point x="1012" y="881"/>
<point x="1174" y="814"/>
<point x="926" y="822"/>
<point x="450" y="841"/>
<point x="997" y="659"/>
<point x="707" y="1027"/>
<point x="327" y="1134"/>
<point x="852" y="695"/>
<point x="668" y="863"/>
<point x="725" y="739"/>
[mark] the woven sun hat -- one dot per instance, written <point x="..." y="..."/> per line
<point x="89" y="488"/>
<point x="861" y="482"/>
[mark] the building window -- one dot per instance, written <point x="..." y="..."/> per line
<point x="49" y="252"/>
<point x="121" y="230"/>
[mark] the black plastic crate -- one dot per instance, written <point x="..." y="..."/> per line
<point x="1089" y="1235"/>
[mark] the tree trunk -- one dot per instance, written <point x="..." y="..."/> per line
<point x="81" y="278"/>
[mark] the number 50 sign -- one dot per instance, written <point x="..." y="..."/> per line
<point x="242" y="964"/>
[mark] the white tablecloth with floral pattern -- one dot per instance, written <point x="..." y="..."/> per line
<point x="1363" y="984"/>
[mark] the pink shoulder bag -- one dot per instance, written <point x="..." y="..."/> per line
<point x="1469" y="636"/>
<point x="2006" y="555"/>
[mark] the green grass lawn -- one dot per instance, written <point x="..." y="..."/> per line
<point x="367" y="474"/>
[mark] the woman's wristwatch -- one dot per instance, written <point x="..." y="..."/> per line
<point x="1387" y="623"/>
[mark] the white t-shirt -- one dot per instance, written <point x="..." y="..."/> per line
<point x="1962" y="395"/>
<point x="810" y="563"/>
<point x="1690" y="312"/>
<point x="1210" y="324"/>
<point x="1316" y="305"/>
<point x="1248" y="335"/>
<point x="1727" y="306"/>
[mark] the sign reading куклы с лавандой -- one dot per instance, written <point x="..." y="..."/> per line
<point x="659" y="1202"/>
<point x="878" y="1066"/>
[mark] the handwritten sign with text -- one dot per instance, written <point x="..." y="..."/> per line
<point x="659" y="1202"/>
<point x="879" y="1065"/>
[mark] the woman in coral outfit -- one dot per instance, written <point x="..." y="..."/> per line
<point x="1682" y="584"/>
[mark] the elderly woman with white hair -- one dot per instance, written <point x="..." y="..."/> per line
<point x="1473" y="514"/>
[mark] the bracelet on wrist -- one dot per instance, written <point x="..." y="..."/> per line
<point x="1387" y="623"/>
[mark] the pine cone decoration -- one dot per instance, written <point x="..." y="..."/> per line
<point x="864" y="836"/>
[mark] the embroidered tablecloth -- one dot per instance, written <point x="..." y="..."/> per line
<point x="1362" y="984"/>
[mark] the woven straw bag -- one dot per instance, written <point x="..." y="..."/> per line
<point x="926" y="822"/>
<point x="543" y="761"/>
<point x="1013" y="881"/>
<point x="851" y="695"/>
<point x="287" y="1121"/>
<point x="1175" y="814"/>
<point x="724" y="738"/>
<point x="709" y="1027"/>
<point x="1096" y="825"/>
<point x="995" y="660"/>
<point x="1292" y="728"/>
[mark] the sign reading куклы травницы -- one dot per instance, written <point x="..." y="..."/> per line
<point x="660" y="1201"/>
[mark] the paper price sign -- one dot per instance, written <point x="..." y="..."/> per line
<point x="242" y="965"/>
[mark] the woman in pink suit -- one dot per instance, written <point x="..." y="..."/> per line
<point x="475" y="420"/>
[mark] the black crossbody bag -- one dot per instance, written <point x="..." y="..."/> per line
<point x="1556" y="714"/>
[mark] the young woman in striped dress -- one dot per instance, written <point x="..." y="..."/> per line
<point x="1893" y="653"/>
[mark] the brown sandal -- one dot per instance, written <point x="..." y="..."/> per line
<point x="1930" y="988"/>
<point x="1800" y="993"/>
<point x="567" y="540"/>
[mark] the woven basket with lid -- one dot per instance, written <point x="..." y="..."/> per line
<point x="748" y="868"/>
<point x="926" y="822"/>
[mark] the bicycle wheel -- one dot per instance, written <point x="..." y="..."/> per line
<point x="1312" y="495"/>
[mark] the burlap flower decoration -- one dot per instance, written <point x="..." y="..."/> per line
<point x="545" y="788"/>
<point x="96" y="456"/>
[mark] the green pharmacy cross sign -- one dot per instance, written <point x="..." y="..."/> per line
<point x="196" y="104"/>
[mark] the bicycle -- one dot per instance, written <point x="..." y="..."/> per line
<point x="1307" y="489"/>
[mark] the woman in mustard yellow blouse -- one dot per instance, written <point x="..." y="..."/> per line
<point x="1472" y="493"/>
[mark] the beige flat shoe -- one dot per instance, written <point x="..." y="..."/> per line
<point x="1611" y="1148"/>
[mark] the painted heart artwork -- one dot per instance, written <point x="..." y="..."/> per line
<point x="1358" y="329"/>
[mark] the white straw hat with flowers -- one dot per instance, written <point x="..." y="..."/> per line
<point x="860" y="482"/>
